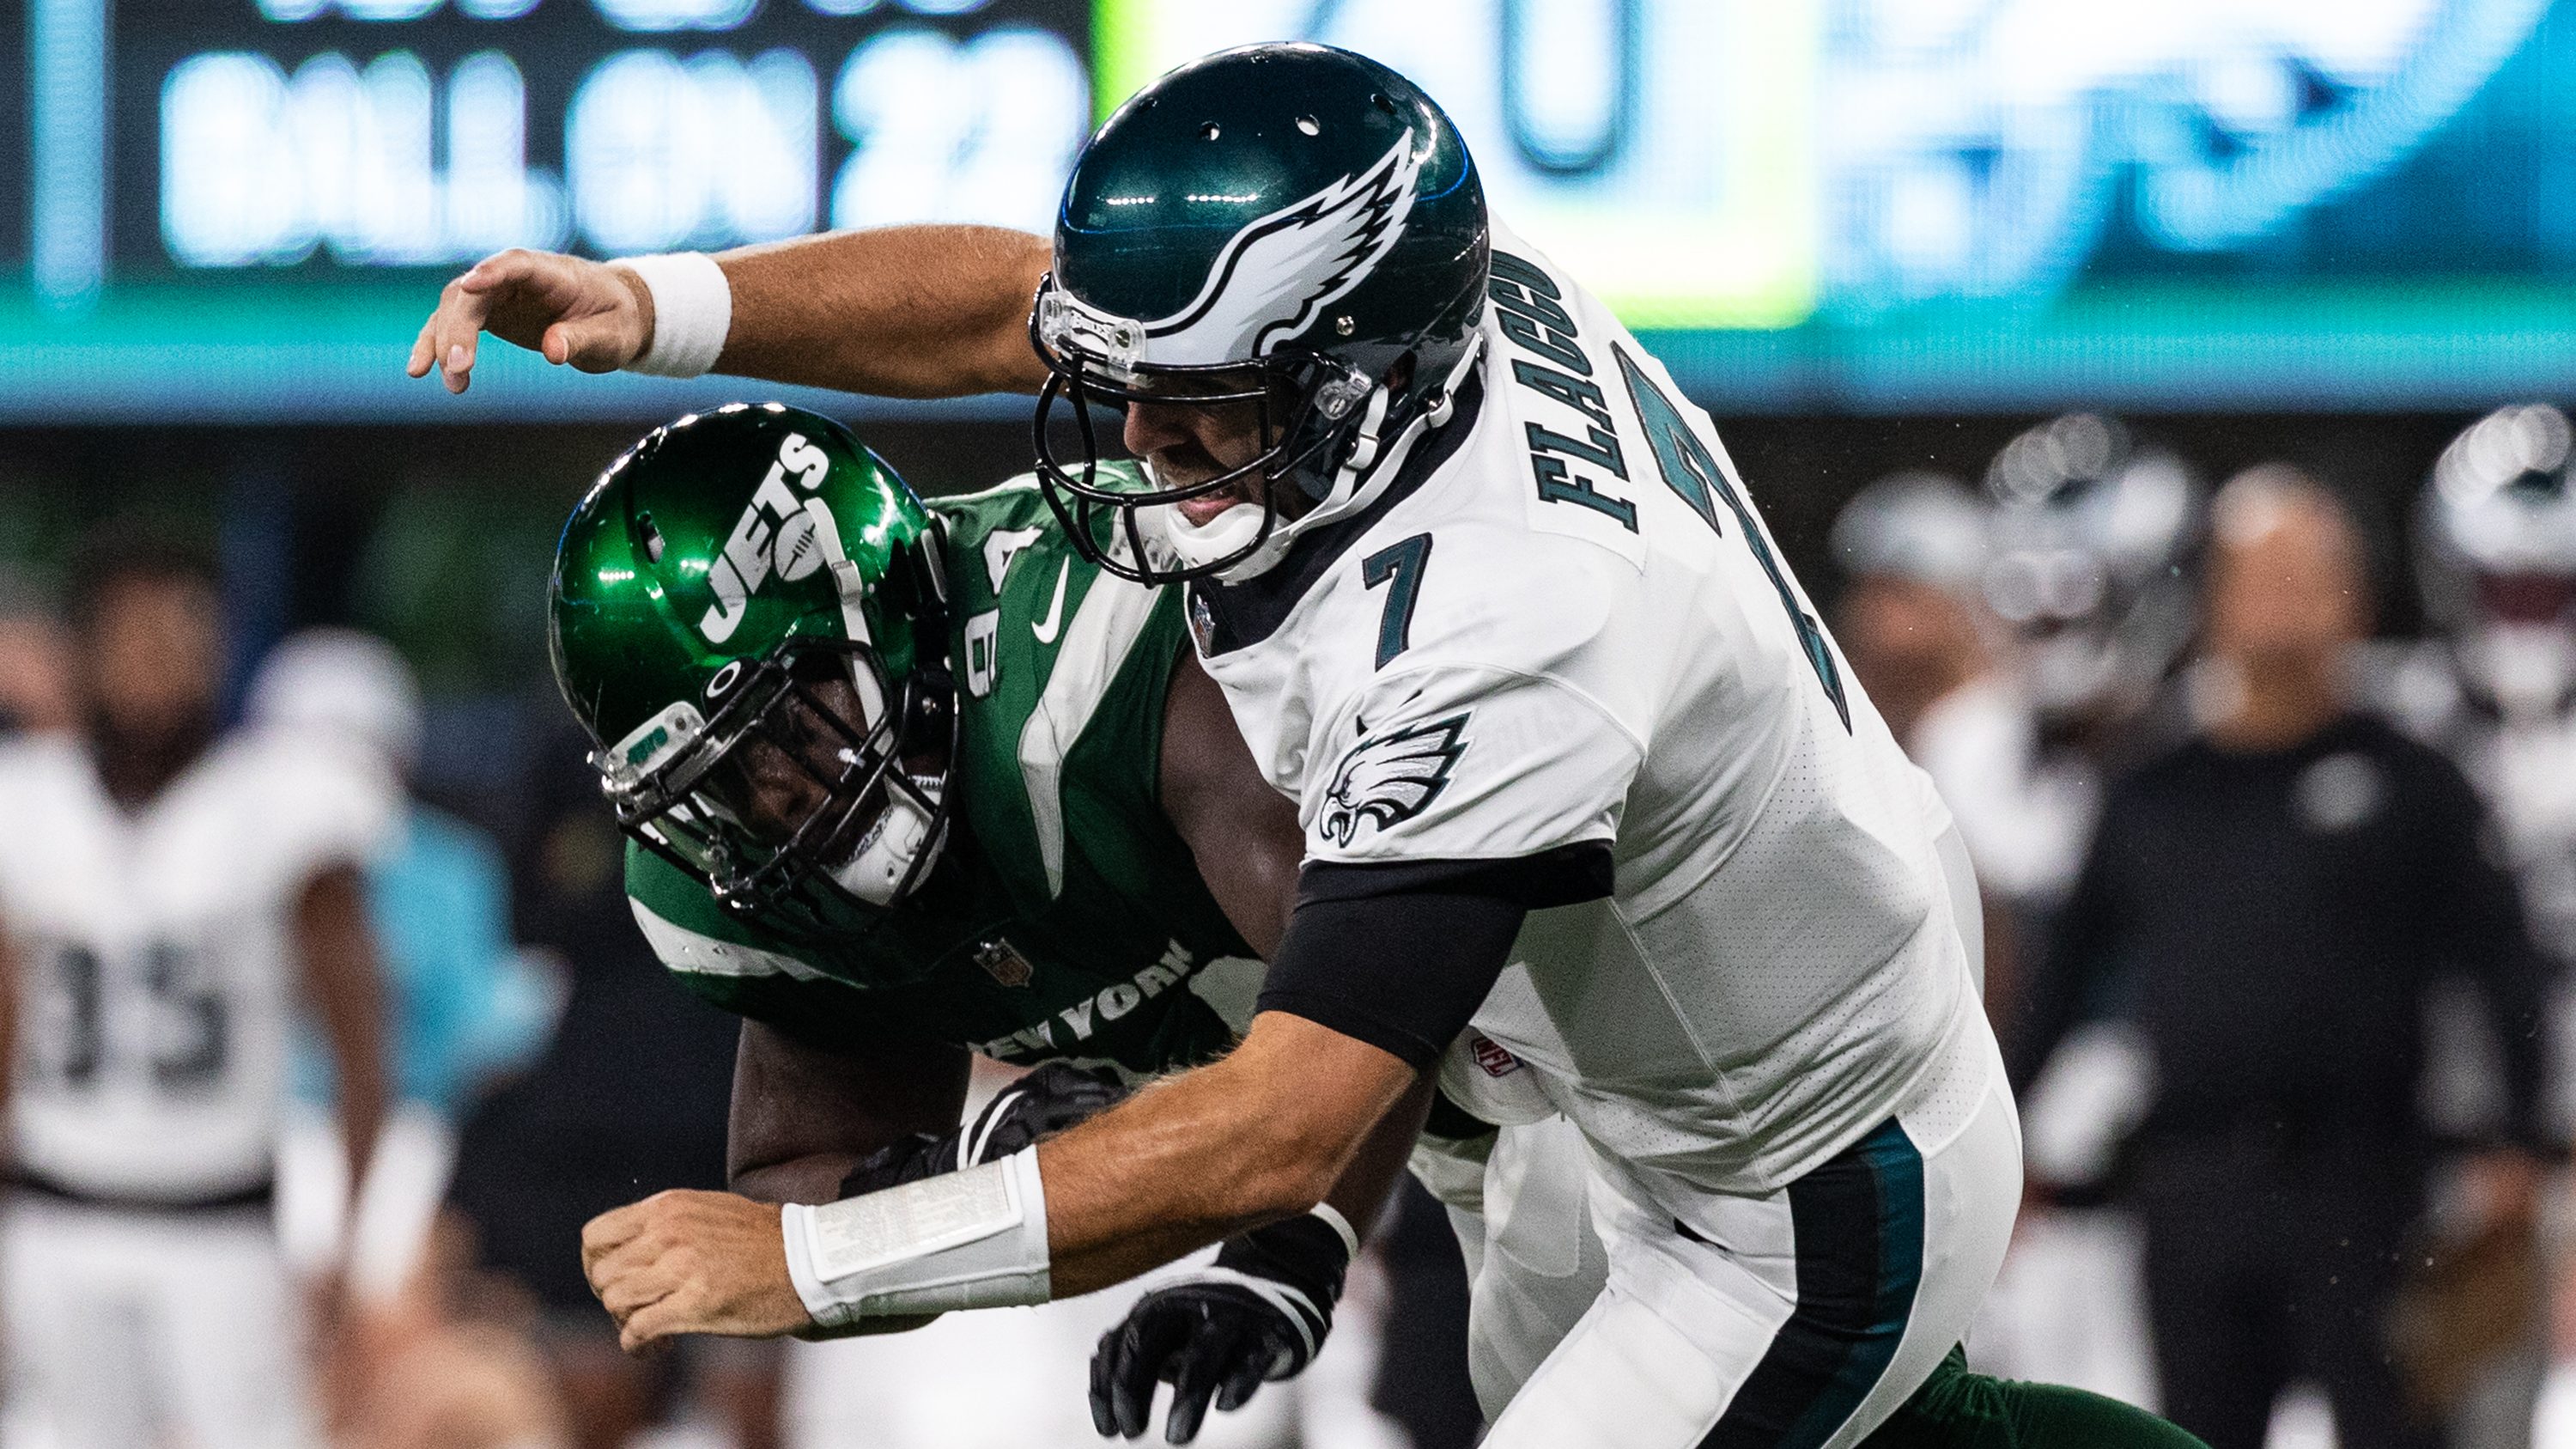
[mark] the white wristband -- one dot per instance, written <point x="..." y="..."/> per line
<point x="1331" y="1217"/>
<point x="971" y="1239"/>
<point x="692" y="312"/>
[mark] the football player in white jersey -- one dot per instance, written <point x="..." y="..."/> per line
<point x="2495" y="690"/>
<point x="2092" y="544"/>
<point x="1595" y="822"/>
<point x="167" y="896"/>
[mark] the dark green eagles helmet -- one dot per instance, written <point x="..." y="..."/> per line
<point x="1280" y="227"/>
<point x="748" y="614"/>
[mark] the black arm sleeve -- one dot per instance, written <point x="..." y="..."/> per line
<point x="1401" y="955"/>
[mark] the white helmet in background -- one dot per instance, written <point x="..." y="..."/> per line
<point x="2497" y="547"/>
<point x="2091" y="561"/>
<point x="344" y="685"/>
<point x="1924" y="526"/>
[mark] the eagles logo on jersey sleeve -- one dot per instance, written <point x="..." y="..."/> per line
<point x="1388" y="778"/>
<point x="1469" y="763"/>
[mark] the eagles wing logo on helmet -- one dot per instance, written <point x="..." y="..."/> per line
<point x="1278" y="274"/>
<point x="1390" y="778"/>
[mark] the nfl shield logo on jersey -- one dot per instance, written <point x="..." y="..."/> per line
<point x="1202" y="622"/>
<point x="1003" y="962"/>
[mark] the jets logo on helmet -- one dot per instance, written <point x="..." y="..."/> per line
<point x="748" y="614"/>
<point x="776" y="528"/>
<point x="1388" y="779"/>
<point x="1292" y="230"/>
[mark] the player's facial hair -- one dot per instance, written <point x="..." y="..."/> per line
<point x="135" y="761"/>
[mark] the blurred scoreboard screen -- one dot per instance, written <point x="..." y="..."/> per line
<point x="236" y="207"/>
<point x="241" y="209"/>
<point x="406" y="133"/>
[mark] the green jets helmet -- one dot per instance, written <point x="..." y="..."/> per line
<point x="748" y="614"/>
<point x="1290" y="228"/>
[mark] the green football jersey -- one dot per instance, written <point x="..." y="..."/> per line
<point x="1066" y="919"/>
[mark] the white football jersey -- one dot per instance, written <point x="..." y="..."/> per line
<point x="1573" y="628"/>
<point x="157" y="975"/>
<point x="2026" y="812"/>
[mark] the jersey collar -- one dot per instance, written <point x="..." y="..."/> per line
<point x="1226" y="617"/>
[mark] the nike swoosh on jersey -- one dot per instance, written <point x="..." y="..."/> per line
<point x="1047" y="627"/>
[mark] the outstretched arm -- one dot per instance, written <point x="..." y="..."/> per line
<point x="1257" y="1137"/>
<point x="902" y="311"/>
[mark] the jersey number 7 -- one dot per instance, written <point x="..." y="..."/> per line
<point x="1690" y="470"/>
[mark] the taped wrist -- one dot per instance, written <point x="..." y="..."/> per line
<point x="692" y="312"/>
<point x="971" y="1239"/>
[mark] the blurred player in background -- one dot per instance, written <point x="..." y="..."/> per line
<point x="2271" y="899"/>
<point x="2495" y="689"/>
<point x="1912" y="547"/>
<point x="168" y="894"/>
<point x="2092" y="539"/>
<point x="1913" y="621"/>
<point x="463" y="1006"/>
<point x="2496" y="541"/>
<point x="2090" y="543"/>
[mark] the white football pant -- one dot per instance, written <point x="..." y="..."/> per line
<point x="131" y="1327"/>
<point x="1799" y="1320"/>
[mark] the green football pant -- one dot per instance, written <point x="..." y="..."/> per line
<point x="1956" y="1409"/>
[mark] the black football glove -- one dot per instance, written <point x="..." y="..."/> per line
<point x="1260" y="1311"/>
<point x="1040" y="1104"/>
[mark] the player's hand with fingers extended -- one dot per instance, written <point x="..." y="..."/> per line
<point x="692" y="1262"/>
<point x="1261" y="1311"/>
<point x="592" y="315"/>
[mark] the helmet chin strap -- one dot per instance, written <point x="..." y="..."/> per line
<point x="1372" y="465"/>
<point x="852" y="586"/>
<point x="903" y="834"/>
<point x="901" y="837"/>
<point x="1199" y="544"/>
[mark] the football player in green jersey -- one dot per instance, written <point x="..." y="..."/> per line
<point x="905" y="782"/>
